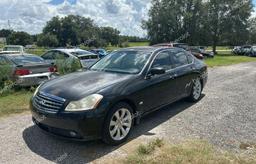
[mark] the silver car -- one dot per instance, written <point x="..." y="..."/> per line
<point x="86" y="58"/>
<point x="26" y="70"/>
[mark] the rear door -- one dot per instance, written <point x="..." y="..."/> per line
<point x="183" y="66"/>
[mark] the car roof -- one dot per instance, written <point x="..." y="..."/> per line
<point x="69" y="50"/>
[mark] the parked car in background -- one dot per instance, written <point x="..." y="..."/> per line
<point x="252" y="52"/>
<point x="237" y="50"/>
<point x="180" y="45"/>
<point x="13" y="49"/>
<point x="245" y="50"/>
<point x="202" y="52"/>
<point x="27" y="70"/>
<point x="108" y="99"/>
<point x="101" y="52"/>
<point x="85" y="58"/>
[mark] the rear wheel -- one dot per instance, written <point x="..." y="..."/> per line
<point x="196" y="91"/>
<point x="118" y="124"/>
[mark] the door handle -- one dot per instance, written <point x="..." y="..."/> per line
<point x="173" y="76"/>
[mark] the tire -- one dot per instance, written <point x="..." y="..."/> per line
<point x="196" y="91"/>
<point x="116" y="130"/>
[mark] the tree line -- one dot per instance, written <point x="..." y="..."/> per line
<point x="208" y="23"/>
<point x="71" y="30"/>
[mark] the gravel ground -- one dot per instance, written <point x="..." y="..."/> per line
<point x="225" y="116"/>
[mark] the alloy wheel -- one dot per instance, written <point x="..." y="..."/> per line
<point x="197" y="88"/>
<point x="120" y="124"/>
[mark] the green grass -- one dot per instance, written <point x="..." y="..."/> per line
<point x="37" y="51"/>
<point x="224" y="60"/>
<point x="219" y="48"/>
<point x="134" y="44"/>
<point x="192" y="152"/>
<point x="16" y="102"/>
<point x="130" y="44"/>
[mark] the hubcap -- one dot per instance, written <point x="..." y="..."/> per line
<point x="120" y="124"/>
<point x="197" y="89"/>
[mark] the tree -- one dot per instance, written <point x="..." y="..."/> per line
<point x="71" y="29"/>
<point x="199" y="22"/>
<point x="47" y="40"/>
<point x="171" y="20"/>
<point x="252" y="30"/>
<point x="20" y="38"/>
<point x="5" y="33"/>
<point x="110" y="35"/>
<point x="228" y="21"/>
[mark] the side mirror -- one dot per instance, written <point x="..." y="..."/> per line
<point x="157" y="71"/>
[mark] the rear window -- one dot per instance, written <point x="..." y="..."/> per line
<point x="23" y="60"/>
<point x="12" y="49"/>
<point x="88" y="57"/>
<point x="79" y="53"/>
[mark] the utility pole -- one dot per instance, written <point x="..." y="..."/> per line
<point x="9" y="25"/>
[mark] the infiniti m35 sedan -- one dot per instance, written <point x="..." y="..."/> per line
<point x="108" y="99"/>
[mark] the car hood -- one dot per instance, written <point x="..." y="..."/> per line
<point x="78" y="85"/>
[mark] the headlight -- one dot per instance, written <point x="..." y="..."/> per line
<point x="87" y="103"/>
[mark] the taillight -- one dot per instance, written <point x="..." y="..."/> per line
<point x="22" y="72"/>
<point x="53" y="69"/>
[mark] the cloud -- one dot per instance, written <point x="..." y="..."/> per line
<point x="32" y="15"/>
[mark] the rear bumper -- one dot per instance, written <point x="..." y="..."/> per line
<point x="34" y="79"/>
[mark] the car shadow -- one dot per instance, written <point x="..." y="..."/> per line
<point x="64" y="151"/>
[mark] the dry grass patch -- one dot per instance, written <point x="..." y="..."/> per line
<point x="190" y="152"/>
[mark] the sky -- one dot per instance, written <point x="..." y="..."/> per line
<point x="31" y="15"/>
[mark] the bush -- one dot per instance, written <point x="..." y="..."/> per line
<point x="5" y="82"/>
<point x="66" y="66"/>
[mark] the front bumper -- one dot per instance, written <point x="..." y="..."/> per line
<point x="34" y="79"/>
<point x="75" y="126"/>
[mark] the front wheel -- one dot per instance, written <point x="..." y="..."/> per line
<point x="118" y="124"/>
<point x="196" y="91"/>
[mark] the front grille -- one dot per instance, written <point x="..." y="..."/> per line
<point x="48" y="103"/>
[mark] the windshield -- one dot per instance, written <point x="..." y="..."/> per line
<point x="12" y="49"/>
<point x="130" y="62"/>
<point x="23" y="60"/>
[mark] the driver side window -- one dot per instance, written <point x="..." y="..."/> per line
<point x="162" y="60"/>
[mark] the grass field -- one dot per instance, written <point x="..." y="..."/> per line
<point x="192" y="152"/>
<point x="224" y="60"/>
<point x="16" y="102"/>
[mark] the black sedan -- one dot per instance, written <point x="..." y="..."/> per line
<point x="107" y="100"/>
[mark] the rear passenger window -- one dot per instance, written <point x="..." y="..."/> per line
<point x="48" y="56"/>
<point x="162" y="60"/>
<point x="60" y="55"/>
<point x="179" y="59"/>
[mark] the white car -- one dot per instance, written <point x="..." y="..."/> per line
<point x="86" y="58"/>
<point x="10" y="49"/>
